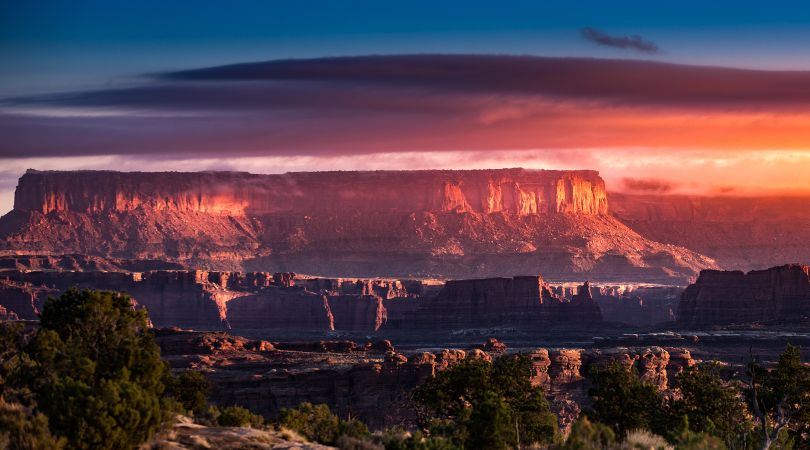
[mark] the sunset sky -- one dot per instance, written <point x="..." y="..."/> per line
<point x="664" y="97"/>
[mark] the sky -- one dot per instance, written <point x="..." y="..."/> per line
<point x="686" y="97"/>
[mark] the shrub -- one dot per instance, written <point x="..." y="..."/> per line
<point x="97" y="376"/>
<point x="587" y="435"/>
<point x="190" y="389"/>
<point x="622" y="401"/>
<point x="315" y="422"/>
<point x="21" y="429"/>
<point x="479" y="404"/>
<point x="237" y="416"/>
<point x="644" y="440"/>
<point x="710" y="404"/>
<point x="400" y="440"/>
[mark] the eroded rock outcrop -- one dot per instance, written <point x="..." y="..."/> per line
<point x="524" y="302"/>
<point x="6" y="314"/>
<point x="205" y="300"/>
<point x="447" y="224"/>
<point x="373" y="387"/>
<point x="516" y="191"/>
<point x="717" y="297"/>
<point x="23" y="299"/>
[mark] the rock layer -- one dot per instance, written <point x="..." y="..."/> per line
<point x="285" y="302"/>
<point x="523" y="302"/>
<point x="515" y="191"/>
<point x="740" y="233"/>
<point x="445" y="224"/>
<point x="779" y="293"/>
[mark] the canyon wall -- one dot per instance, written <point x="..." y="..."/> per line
<point x="776" y="294"/>
<point x="516" y="191"/>
<point x="425" y="224"/>
<point x="284" y="302"/>
<point x="212" y="300"/>
<point x="740" y="233"/>
<point x="521" y="302"/>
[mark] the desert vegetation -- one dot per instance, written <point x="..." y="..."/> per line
<point x="89" y="376"/>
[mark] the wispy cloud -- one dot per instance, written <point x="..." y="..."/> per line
<point x="634" y="42"/>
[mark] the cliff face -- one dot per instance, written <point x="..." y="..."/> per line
<point x="741" y="233"/>
<point x="443" y="224"/>
<point x="283" y="302"/>
<point x="516" y="191"/>
<point x="524" y="302"/>
<point x="778" y="293"/>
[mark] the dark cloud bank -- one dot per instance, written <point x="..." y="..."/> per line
<point x="383" y="102"/>
<point x="634" y="42"/>
<point x="321" y="82"/>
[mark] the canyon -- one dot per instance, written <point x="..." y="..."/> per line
<point x="373" y="382"/>
<point x="436" y="223"/>
<point x="283" y="302"/>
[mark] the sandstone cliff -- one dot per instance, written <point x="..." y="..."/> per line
<point x="742" y="233"/>
<point x="446" y="224"/>
<point x="523" y="302"/>
<point x="284" y="302"/>
<point x="779" y="293"/>
<point x="515" y="191"/>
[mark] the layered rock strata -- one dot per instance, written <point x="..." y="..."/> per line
<point x="217" y="300"/>
<point x="776" y="294"/>
<point x="445" y="224"/>
<point x="739" y="232"/>
<point x="522" y="302"/>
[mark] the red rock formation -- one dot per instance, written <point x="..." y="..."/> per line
<point x="742" y="233"/>
<point x="778" y="293"/>
<point x="524" y="302"/>
<point x="375" y="390"/>
<point x="215" y="300"/>
<point x="636" y="305"/>
<point x="516" y="191"/>
<point x="493" y="345"/>
<point x="282" y="309"/>
<point x="357" y="312"/>
<point x="447" y="224"/>
<point x="22" y="299"/>
<point x="6" y="314"/>
<point x="79" y="262"/>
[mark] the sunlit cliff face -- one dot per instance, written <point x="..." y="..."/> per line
<point x="511" y="191"/>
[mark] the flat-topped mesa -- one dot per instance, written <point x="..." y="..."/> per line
<point x="516" y="191"/>
<point x="780" y="293"/>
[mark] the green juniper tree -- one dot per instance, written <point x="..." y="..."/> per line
<point x="780" y="400"/>
<point x="96" y="372"/>
<point x="480" y="404"/>
<point x="624" y="402"/>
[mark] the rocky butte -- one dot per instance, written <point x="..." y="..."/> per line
<point x="432" y="223"/>
<point x="777" y="294"/>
